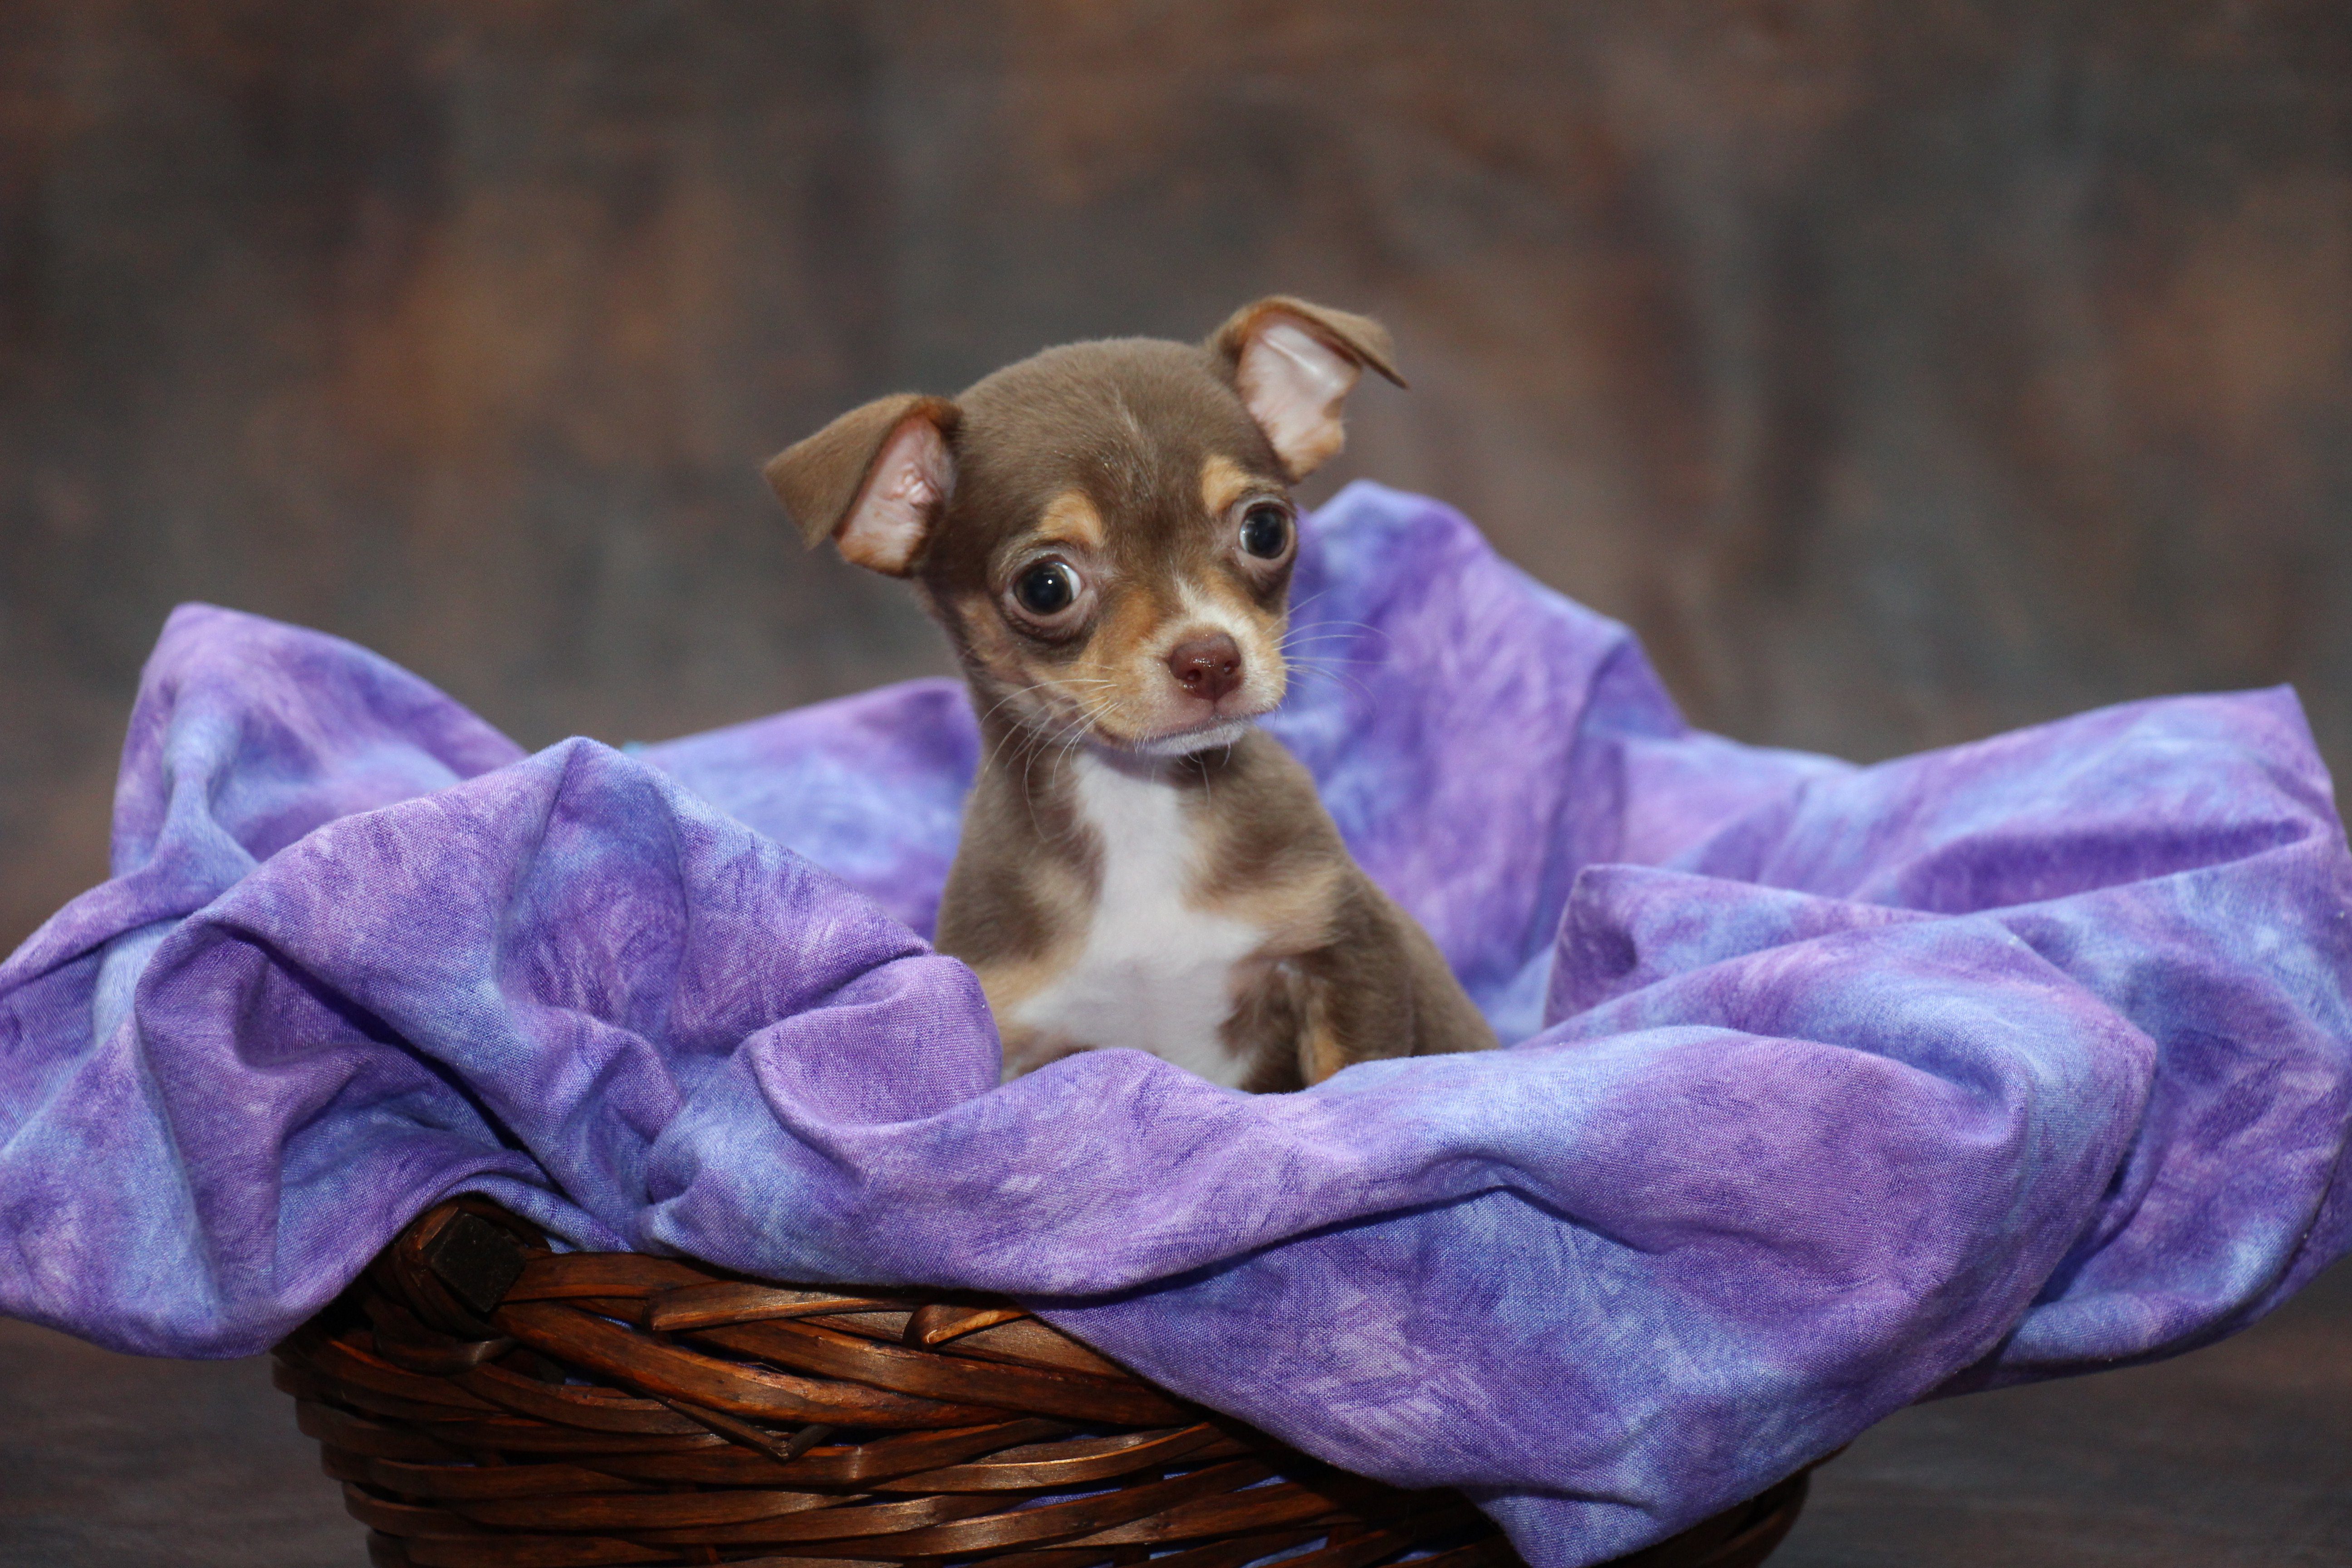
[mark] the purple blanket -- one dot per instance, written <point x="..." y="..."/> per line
<point x="1837" y="1087"/>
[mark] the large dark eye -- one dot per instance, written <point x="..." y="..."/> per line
<point x="1265" y="531"/>
<point x="1046" y="589"/>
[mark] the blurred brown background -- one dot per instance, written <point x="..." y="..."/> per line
<point x="1901" y="371"/>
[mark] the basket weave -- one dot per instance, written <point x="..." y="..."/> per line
<point x="487" y="1402"/>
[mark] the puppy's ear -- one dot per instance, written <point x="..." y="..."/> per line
<point x="873" y="481"/>
<point x="1294" y="364"/>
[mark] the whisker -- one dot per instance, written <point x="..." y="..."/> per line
<point x="1322" y="671"/>
<point x="1330" y="629"/>
<point x="1342" y="627"/>
<point x="1310" y="598"/>
<point x="1036" y="745"/>
<point x="1304" y="652"/>
<point x="1018" y="730"/>
<point x="1319" y="636"/>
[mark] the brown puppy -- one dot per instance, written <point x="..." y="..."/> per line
<point x="1106" y="532"/>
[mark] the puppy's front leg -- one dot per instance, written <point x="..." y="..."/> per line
<point x="1377" y="987"/>
<point x="1349" y="999"/>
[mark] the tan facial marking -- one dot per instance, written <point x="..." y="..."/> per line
<point x="1214" y="604"/>
<point x="1223" y="484"/>
<point x="1119" y="655"/>
<point x="1217" y="602"/>
<point x="1225" y="481"/>
<point x="1071" y="517"/>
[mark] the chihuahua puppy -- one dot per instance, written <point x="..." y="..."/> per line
<point x="1106" y="532"/>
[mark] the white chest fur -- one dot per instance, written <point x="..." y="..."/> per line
<point x="1154" y="972"/>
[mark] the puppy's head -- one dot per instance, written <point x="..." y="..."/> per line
<point x="1105" y="530"/>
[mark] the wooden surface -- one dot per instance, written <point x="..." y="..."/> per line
<point x="2239" y="1456"/>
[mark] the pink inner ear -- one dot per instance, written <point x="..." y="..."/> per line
<point x="911" y="479"/>
<point x="1293" y="383"/>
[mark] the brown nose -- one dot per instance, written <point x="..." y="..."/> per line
<point x="1206" y="668"/>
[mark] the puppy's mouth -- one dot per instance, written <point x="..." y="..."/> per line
<point x="1206" y="736"/>
<point x="1192" y="727"/>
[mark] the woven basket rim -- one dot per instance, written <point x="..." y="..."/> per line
<point x="485" y="1398"/>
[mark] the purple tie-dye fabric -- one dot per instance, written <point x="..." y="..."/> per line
<point x="1836" y="1087"/>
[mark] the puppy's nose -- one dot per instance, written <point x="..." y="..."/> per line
<point x="1208" y="667"/>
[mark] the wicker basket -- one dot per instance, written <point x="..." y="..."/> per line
<point x="485" y="1401"/>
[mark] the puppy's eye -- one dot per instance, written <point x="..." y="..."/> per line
<point x="1265" y="532"/>
<point x="1046" y="589"/>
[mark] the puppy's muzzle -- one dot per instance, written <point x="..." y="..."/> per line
<point x="1208" y="667"/>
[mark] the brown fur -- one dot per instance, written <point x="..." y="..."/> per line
<point x="1133" y="461"/>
